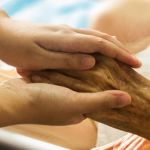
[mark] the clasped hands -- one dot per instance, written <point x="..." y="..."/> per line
<point x="31" y="47"/>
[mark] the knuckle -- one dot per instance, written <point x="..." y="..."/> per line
<point x="99" y="42"/>
<point x="92" y="31"/>
<point x="95" y="41"/>
<point x="66" y="29"/>
<point x="107" y="36"/>
<point x="68" y="61"/>
<point x="114" y="37"/>
<point x="73" y="61"/>
<point x="113" y="53"/>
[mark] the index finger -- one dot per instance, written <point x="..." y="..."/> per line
<point x="107" y="48"/>
<point x="110" y="44"/>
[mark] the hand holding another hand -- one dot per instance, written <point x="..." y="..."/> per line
<point x="36" y="47"/>
<point x="39" y="103"/>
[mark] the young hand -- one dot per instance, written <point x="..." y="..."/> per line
<point x="30" y="46"/>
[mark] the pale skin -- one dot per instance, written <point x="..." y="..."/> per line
<point x="28" y="47"/>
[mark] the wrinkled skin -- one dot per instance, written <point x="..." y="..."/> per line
<point x="106" y="75"/>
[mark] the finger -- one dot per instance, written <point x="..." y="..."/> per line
<point x="117" y="42"/>
<point x="91" y="102"/>
<point x="81" y="43"/>
<point x="59" y="60"/>
<point x="105" y="36"/>
<point x="68" y="29"/>
<point x="105" y="47"/>
<point x="112" y="50"/>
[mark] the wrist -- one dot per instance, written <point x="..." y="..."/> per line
<point x="7" y="114"/>
<point x="16" y="103"/>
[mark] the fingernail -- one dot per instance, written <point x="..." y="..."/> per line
<point x="120" y="99"/>
<point x="123" y="100"/>
<point x="87" y="62"/>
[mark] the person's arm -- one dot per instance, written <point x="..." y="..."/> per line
<point x="109" y="74"/>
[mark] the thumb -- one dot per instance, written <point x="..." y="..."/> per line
<point x="91" y="102"/>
